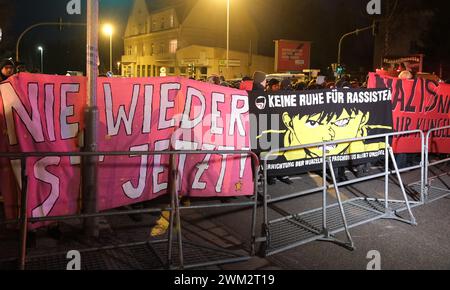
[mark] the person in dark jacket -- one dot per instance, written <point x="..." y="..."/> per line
<point x="259" y="81"/>
<point x="7" y="69"/>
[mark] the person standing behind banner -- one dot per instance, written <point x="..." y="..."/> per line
<point x="273" y="86"/>
<point x="246" y="84"/>
<point x="286" y="85"/>
<point x="7" y="69"/>
<point x="259" y="81"/>
<point x="259" y="85"/>
<point x="214" y="80"/>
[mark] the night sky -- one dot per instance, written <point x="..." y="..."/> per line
<point x="319" y="21"/>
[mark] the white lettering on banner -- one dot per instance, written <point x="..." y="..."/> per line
<point x="311" y="99"/>
<point x="50" y="111"/>
<point x="237" y="113"/>
<point x="223" y="167"/>
<point x="113" y="129"/>
<point x="186" y="122"/>
<point x="128" y="188"/>
<point x="282" y="101"/>
<point x="244" y="158"/>
<point x="216" y="99"/>
<point x="183" y="145"/>
<point x="167" y="104"/>
<point x="74" y="7"/>
<point x="157" y="168"/>
<point x="11" y="101"/>
<point x="202" y="167"/>
<point x="68" y="131"/>
<point x="148" y="105"/>
<point x="41" y="173"/>
<point x="335" y="97"/>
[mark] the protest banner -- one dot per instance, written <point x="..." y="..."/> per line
<point x="41" y="113"/>
<point x="312" y="117"/>
<point x="417" y="104"/>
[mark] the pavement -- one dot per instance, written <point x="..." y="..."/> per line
<point x="224" y="234"/>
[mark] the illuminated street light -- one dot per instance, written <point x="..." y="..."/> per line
<point x="41" y="49"/>
<point x="228" y="33"/>
<point x="109" y="30"/>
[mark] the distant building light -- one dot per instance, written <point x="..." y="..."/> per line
<point x="1" y="34"/>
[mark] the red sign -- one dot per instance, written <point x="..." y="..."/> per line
<point x="292" y="56"/>
<point x="418" y="104"/>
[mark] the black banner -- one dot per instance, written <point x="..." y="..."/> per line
<point x="287" y="119"/>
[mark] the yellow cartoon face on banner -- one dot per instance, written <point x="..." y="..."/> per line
<point x="328" y="127"/>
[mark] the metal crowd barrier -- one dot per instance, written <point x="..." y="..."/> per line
<point x="297" y="229"/>
<point x="175" y="209"/>
<point x="433" y="193"/>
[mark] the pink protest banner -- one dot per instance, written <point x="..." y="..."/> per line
<point x="417" y="104"/>
<point x="42" y="113"/>
<point x="45" y="114"/>
<point x="155" y="114"/>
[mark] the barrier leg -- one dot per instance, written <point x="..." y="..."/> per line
<point x="400" y="181"/>
<point x="324" y="195"/>
<point x="171" y="226"/>
<point x="23" y="216"/>
<point x="255" y="209"/>
<point x="265" y="225"/>
<point x="426" y="184"/>
<point x="350" y="244"/>
<point x="387" y="210"/>
<point x="178" y="229"/>
<point x="422" y="171"/>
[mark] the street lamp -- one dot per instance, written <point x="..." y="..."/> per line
<point x="228" y="33"/>
<point x="41" y="49"/>
<point x="108" y="30"/>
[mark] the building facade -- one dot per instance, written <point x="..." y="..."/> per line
<point x="188" y="38"/>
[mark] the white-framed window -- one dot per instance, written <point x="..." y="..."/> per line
<point x="129" y="50"/>
<point x="173" y="46"/>
<point x="172" y="21"/>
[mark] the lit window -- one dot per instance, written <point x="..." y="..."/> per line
<point x="172" y="21"/>
<point x="173" y="46"/>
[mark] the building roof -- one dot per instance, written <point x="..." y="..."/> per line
<point x="182" y="7"/>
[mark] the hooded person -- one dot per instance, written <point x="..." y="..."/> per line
<point x="259" y="81"/>
<point x="7" y="69"/>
